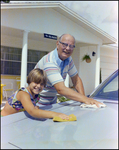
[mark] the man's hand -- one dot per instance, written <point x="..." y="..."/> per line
<point x="92" y="101"/>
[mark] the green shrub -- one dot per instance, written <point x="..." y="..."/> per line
<point x="63" y="99"/>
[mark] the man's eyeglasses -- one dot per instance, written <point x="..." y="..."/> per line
<point x="65" y="45"/>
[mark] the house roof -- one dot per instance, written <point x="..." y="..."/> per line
<point x="59" y="7"/>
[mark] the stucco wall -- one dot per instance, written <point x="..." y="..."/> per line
<point x="108" y="60"/>
<point x="87" y="70"/>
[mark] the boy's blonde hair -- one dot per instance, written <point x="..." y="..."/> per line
<point x="38" y="76"/>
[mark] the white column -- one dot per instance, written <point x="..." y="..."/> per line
<point x="67" y="81"/>
<point x="97" y="69"/>
<point x="24" y="59"/>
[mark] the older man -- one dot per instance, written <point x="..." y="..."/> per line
<point x="57" y="64"/>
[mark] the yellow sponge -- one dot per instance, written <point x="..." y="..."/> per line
<point x="73" y="118"/>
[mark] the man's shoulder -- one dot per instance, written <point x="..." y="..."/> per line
<point x="50" y="64"/>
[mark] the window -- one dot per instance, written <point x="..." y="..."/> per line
<point x="11" y="60"/>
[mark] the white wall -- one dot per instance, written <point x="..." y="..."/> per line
<point x="87" y="70"/>
<point x="108" y="64"/>
<point x="108" y="60"/>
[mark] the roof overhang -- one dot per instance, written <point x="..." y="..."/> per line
<point x="59" y="7"/>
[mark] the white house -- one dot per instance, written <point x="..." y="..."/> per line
<point x="23" y="26"/>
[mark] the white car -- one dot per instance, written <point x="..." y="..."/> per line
<point x="95" y="128"/>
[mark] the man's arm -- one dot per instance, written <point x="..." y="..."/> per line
<point x="78" y="84"/>
<point x="74" y="95"/>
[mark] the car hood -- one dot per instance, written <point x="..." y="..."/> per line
<point x="95" y="128"/>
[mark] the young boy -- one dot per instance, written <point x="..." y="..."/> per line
<point x="25" y="99"/>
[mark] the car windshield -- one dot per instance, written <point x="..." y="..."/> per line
<point x="107" y="89"/>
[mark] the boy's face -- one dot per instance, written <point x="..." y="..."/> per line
<point x="65" y="47"/>
<point x="36" y="88"/>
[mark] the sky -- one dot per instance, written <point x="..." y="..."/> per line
<point x="103" y="14"/>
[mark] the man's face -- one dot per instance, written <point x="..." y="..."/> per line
<point x="65" y="46"/>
